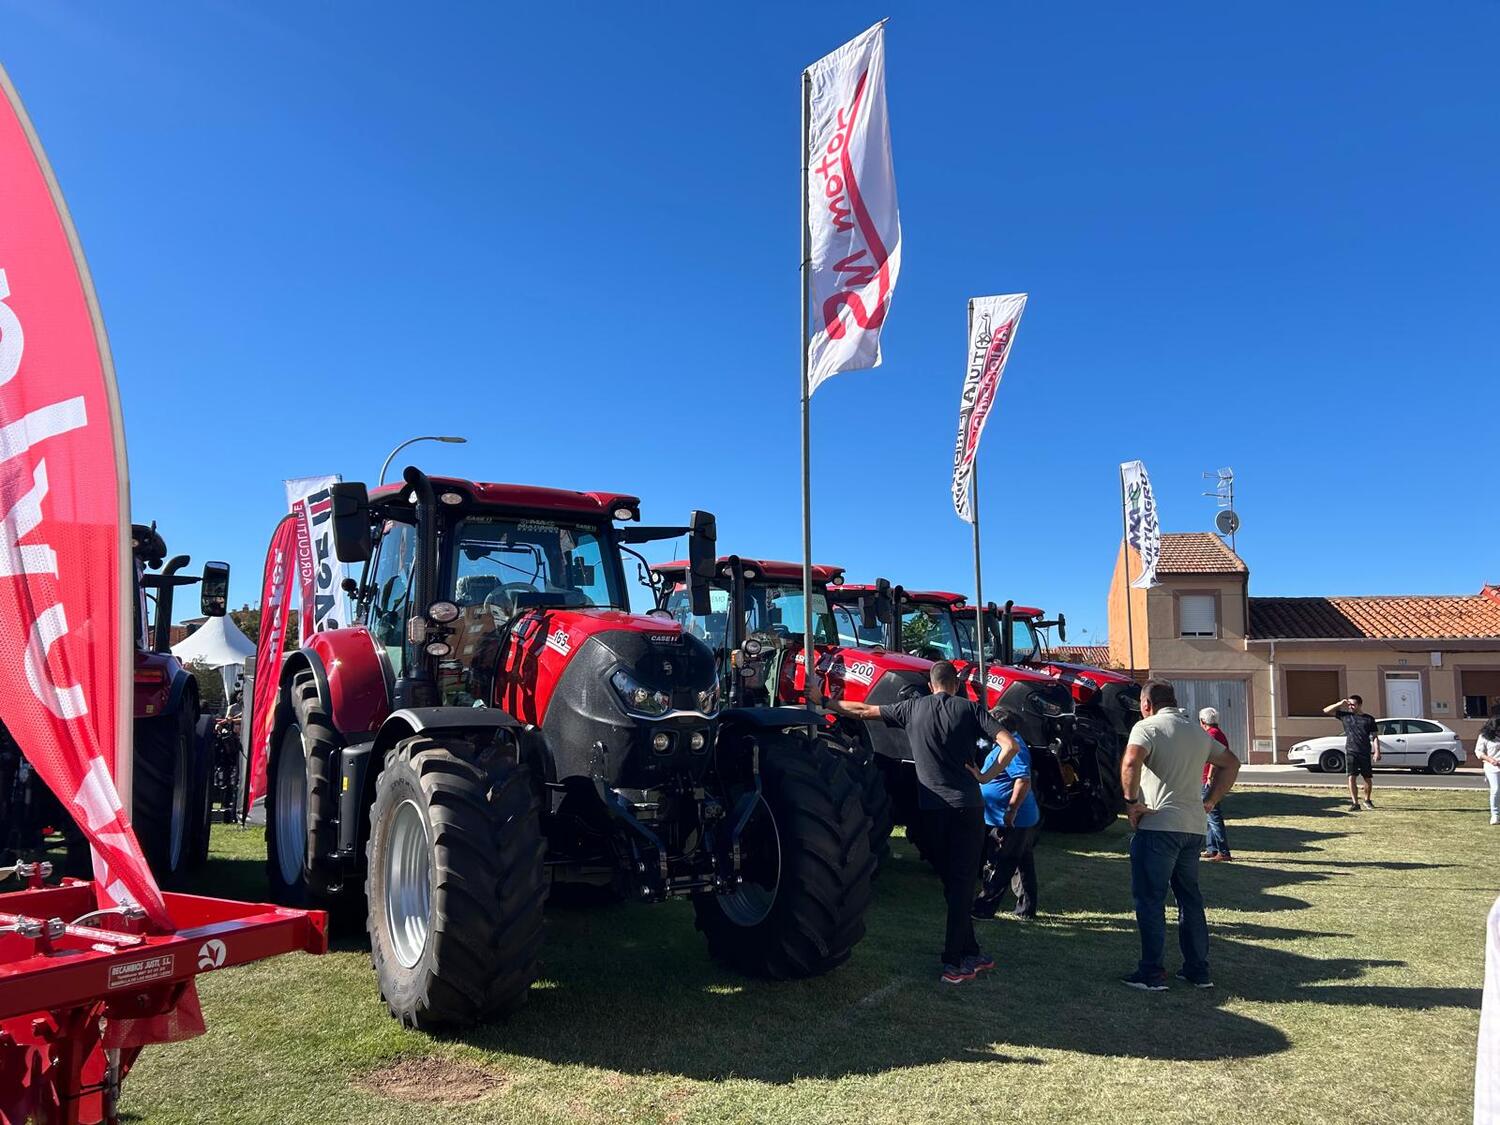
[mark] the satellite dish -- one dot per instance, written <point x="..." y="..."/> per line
<point x="1227" y="521"/>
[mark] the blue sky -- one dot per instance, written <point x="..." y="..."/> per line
<point x="1264" y="239"/>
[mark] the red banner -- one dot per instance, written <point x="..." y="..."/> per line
<point x="270" y="646"/>
<point x="66" y="585"/>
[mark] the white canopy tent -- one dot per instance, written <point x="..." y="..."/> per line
<point x="219" y="644"/>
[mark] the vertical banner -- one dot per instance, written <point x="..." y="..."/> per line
<point x="270" y="647"/>
<point x="320" y="575"/>
<point x="66" y="577"/>
<point x="854" y="226"/>
<point x="992" y="326"/>
<point x="1142" y="527"/>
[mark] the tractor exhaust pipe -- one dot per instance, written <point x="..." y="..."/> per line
<point x="416" y="688"/>
<point x="161" y="634"/>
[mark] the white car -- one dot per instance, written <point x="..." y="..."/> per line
<point x="1412" y="744"/>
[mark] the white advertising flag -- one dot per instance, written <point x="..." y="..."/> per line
<point x="851" y="207"/>
<point x="992" y="327"/>
<point x="1142" y="527"/>
<point x="320" y="574"/>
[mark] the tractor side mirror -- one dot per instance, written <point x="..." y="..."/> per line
<point x="876" y="609"/>
<point x="351" y="521"/>
<point x="1062" y="629"/>
<point x="703" y="563"/>
<point x="214" y="593"/>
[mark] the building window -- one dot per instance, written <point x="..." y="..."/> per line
<point x="1309" y="690"/>
<point x="1481" y="692"/>
<point x="1197" y="615"/>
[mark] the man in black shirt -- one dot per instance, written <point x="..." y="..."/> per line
<point x="945" y="733"/>
<point x="1361" y="746"/>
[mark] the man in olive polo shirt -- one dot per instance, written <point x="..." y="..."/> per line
<point x="1162" y="777"/>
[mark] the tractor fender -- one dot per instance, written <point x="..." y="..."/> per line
<point x="769" y="718"/>
<point x="183" y="683"/>
<point x="358" y="691"/>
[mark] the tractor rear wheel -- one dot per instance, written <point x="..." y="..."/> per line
<point x="807" y="868"/>
<point x="163" y="788"/>
<point x="1085" y="813"/>
<point x="301" y="805"/>
<point x="455" y="890"/>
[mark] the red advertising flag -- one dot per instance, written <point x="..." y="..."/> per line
<point x="66" y="603"/>
<point x="270" y="647"/>
<point x="992" y="330"/>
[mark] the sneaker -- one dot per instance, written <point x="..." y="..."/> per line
<point x="1201" y="982"/>
<point x="1354" y="806"/>
<point x="1220" y="857"/>
<point x="1206" y="854"/>
<point x="1144" y="982"/>
<point x="956" y="974"/>
<point x="1369" y="804"/>
<point x="1024" y="917"/>
<point x="978" y="964"/>
<point x="1494" y="820"/>
<point x="979" y="914"/>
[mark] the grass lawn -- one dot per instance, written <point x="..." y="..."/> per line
<point x="1348" y="950"/>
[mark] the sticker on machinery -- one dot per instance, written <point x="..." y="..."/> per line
<point x="861" y="672"/>
<point x="147" y="969"/>
<point x="558" y="641"/>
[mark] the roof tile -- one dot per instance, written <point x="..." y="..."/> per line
<point x="1197" y="552"/>
<point x="1399" y="617"/>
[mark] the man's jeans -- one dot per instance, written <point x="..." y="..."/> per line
<point x="1218" y="838"/>
<point x="1159" y="860"/>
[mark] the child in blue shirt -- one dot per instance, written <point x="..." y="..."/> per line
<point x="1012" y="821"/>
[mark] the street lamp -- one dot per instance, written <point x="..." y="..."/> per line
<point x="411" y="441"/>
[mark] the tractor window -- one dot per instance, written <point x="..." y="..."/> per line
<point x="852" y="630"/>
<point x="713" y="630"/>
<point x="779" y="610"/>
<point x="511" y="564"/>
<point x="927" y="631"/>
<point x="392" y="581"/>
<point x="1027" y="641"/>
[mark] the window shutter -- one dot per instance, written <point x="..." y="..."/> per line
<point x="1196" y="614"/>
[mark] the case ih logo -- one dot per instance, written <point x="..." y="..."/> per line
<point x="558" y="641"/>
<point x="663" y="638"/>
<point x="861" y="672"/>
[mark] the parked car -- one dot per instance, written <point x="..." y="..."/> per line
<point x="1414" y="744"/>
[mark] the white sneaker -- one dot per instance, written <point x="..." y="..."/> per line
<point x="1494" y="820"/>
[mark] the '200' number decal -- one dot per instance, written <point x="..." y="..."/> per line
<point x="861" y="672"/>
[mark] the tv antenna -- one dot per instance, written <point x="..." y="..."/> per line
<point x="1227" y="520"/>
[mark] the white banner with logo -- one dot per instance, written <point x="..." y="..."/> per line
<point x="851" y="207"/>
<point x="320" y="575"/>
<point x="992" y="326"/>
<point x="1142" y="526"/>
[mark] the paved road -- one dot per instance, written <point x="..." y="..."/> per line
<point x="1399" y="779"/>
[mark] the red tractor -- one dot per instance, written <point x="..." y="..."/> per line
<point x="1075" y="759"/>
<point x="1021" y="635"/>
<point x="172" y="777"/>
<point x="495" y="721"/>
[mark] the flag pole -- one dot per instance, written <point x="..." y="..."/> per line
<point x="809" y="656"/>
<point x="980" y="684"/>
<point x="1125" y="529"/>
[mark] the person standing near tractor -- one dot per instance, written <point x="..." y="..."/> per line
<point x="1216" y="848"/>
<point x="1160" y="773"/>
<point x="1013" y="823"/>
<point x="945" y="730"/>
<point x="1361" y="746"/>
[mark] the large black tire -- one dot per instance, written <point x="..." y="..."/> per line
<point x="862" y="763"/>
<point x="1083" y="814"/>
<point x="304" y="745"/>
<point x="817" y="880"/>
<point x="162" y="801"/>
<point x="468" y="949"/>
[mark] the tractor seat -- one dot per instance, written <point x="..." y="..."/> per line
<point x="474" y="588"/>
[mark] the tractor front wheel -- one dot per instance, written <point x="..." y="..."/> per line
<point x="163" y="795"/>
<point x="807" y="868"/>
<point x="455" y="890"/>
<point x="301" y="805"/>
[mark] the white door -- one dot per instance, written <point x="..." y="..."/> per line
<point x="1422" y="738"/>
<point x="1403" y="695"/>
<point x="1395" y="749"/>
<point x="1228" y="696"/>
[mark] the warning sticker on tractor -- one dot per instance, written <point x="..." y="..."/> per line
<point x="134" y="973"/>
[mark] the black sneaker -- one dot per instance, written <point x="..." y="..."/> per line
<point x="1369" y="804"/>
<point x="1196" y="982"/>
<point x="1145" y="982"/>
<point x="1354" y="806"/>
<point x="979" y="914"/>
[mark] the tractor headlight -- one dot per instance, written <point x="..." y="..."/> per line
<point x="1041" y="705"/>
<point x="638" y="698"/>
<point x="708" y="700"/>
